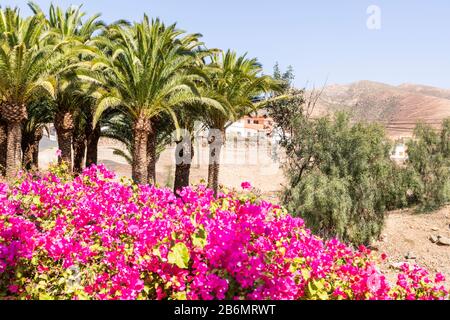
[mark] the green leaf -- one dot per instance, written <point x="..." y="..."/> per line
<point x="199" y="238"/>
<point x="306" y="274"/>
<point x="179" y="255"/>
<point x="37" y="200"/>
<point x="318" y="284"/>
<point x="156" y="252"/>
<point x="43" y="276"/>
<point x="322" y="295"/>
<point x="180" y="296"/>
<point x="45" y="296"/>
<point x="198" y="242"/>
<point x="311" y="290"/>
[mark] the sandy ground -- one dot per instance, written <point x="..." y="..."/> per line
<point x="405" y="232"/>
<point x="238" y="164"/>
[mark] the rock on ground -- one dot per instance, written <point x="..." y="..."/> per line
<point x="409" y="232"/>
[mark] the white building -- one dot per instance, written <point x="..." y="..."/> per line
<point x="240" y="129"/>
<point x="399" y="153"/>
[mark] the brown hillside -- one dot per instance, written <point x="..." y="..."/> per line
<point x="399" y="108"/>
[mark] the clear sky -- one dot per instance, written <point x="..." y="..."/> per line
<point x="321" y="39"/>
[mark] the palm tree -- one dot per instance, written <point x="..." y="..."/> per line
<point x="68" y="27"/>
<point x="148" y="68"/>
<point x="39" y="116"/>
<point x="85" y="137"/>
<point x="235" y="82"/>
<point x="5" y="27"/>
<point x="79" y="142"/>
<point x="117" y="125"/>
<point x="189" y="119"/>
<point x="92" y="133"/>
<point x="26" y="62"/>
<point x="68" y="98"/>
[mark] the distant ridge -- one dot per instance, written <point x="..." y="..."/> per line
<point x="399" y="108"/>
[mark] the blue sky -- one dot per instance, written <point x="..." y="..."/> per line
<point x="324" y="40"/>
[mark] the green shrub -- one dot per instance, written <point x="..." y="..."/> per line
<point x="340" y="176"/>
<point x="324" y="201"/>
<point x="429" y="159"/>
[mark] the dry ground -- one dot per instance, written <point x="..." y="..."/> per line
<point x="238" y="164"/>
<point x="408" y="232"/>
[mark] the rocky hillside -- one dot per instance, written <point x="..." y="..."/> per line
<point x="399" y="108"/>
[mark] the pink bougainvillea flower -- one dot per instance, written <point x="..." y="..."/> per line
<point x="439" y="278"/>
<point x="96" y="238"/>
<point x="13" y="288"/>
<point x="58" y="153"/>
<point x="246" y="185"/>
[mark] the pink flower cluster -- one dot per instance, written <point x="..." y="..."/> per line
<point x="92" y="237"/>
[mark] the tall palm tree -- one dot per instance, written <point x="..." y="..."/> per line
<point x="85" y="137"/>
<point x="69" y="97"/>
<point x="117" y="125"/>
<point x="189" y="119"/>
<point x="235" y="82"/>
<point x="148" y="68"/>
<point x="92" y="134"/>
<point x="79" y="141"/>
<point x="68" y="26"/>
<point x="26" y="62"/>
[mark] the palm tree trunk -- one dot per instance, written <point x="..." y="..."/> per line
<point x="13" y="149"/>
<point x="79" y="150"/>
<point x="35" y="162"/>
<point x="3" y="139"/>
<point x="65" y="145"/>
<point x="213" y="177"/>
<point x="93" y="136"/>
<point x="141" y="129"/>
<point x="13" y="115"/>
<point x="151" y="156"/>
<point x="215" y="148"/>
<point x="27" y="150"/>
<point x="185" y="151"/>
<point x="30" y="149"/>
<point x="64" y="129"/>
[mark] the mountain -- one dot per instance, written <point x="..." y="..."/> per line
<point x="399" y="108"/>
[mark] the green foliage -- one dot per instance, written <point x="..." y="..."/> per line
<point x="179" y="255"/>
<point x="118" y="125"/>
<point x="148" y="68"/>
<point x="286" y="78"/>
<point x="25" y="58"/>
<point x="326" y="200"/>
<point x="429" y="159"/>
<point x="402" y="187"/>
<point x="235" y="82"/>
<point x="341" y="179"/>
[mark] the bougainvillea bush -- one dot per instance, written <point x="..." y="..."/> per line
<point x="92" y="237"/>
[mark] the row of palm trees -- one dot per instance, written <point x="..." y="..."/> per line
<point x="134" y="82"/>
